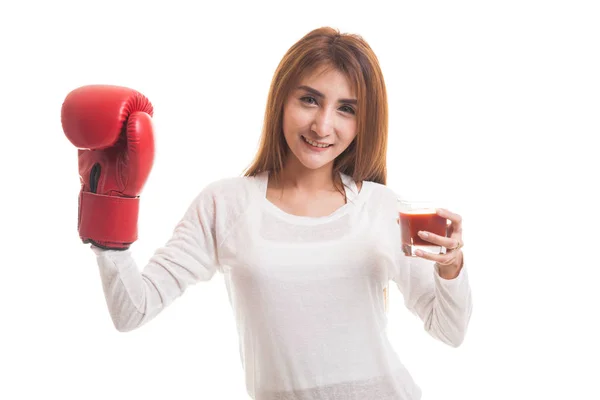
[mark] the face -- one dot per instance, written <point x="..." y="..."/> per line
<point x="319" y="118"/>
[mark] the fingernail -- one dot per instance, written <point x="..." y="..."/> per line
<point x="419" y="253"/>
<point x="423" y="234"/>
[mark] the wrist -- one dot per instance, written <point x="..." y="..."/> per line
<point x="450" y="271"/>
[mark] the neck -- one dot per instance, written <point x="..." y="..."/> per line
<point x="299" y="178"/>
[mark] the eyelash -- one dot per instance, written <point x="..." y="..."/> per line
<point x="305" y="98"/>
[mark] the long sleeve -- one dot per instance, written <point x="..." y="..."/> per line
<point x="134" y="297"/>
<point x="444" y="305"/>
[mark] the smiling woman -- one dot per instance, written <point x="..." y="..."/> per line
<point x="328" y="88"/>
<point x="307" y="239"/>
<point x="327" y="126"/>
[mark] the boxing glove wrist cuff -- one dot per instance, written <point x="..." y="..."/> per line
<point x="108" y="218"/>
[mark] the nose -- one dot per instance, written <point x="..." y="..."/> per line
<point x="323" y="123"/>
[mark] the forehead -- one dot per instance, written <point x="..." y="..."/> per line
<point x="324" y="75"/>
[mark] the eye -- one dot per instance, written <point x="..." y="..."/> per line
<point x="308" y="99"/>
<point x="348" y="109"/>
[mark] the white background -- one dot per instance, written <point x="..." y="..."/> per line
<point x="494" y="109"/>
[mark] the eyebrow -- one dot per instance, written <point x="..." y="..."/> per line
<point x="319" y="94"/>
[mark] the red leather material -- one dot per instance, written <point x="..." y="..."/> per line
<point x="114" y="219"/>
<point x="112" y="128"/>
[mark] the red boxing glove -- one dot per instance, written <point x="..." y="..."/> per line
<point x="112" y="128"/>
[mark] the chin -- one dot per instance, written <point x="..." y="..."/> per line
<point x="314" y="163"/>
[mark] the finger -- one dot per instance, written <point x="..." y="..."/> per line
<point x="456" y="219"/>
<point x="442" y="259"/>
<point x="449" y="243"/>
<point x="442" y="212"/>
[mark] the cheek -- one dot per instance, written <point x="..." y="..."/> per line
<point x="348" y="130"/>
<point x="295" y="120"/>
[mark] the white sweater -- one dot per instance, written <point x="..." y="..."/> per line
<point x="307" y="293"/>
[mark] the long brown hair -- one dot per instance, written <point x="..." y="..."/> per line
<point x="365" y="158"/>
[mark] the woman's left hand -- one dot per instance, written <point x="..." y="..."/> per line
<point x="449" y="264"/>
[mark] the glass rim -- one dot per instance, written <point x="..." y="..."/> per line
<point x="415" y="201"/>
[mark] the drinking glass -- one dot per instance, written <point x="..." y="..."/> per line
<point x="420" y="215"/>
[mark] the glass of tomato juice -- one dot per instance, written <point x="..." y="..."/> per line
<point x="420" y="215"/>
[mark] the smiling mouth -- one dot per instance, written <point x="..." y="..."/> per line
<point x="316" y="144"/>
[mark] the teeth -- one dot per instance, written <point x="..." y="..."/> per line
<point x="315" y="144"/>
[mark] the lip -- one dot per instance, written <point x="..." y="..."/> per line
<point x="314" y="149"/>
<point x="316" y="141"/>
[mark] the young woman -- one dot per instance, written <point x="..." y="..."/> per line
<point x="307" y="238"/>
